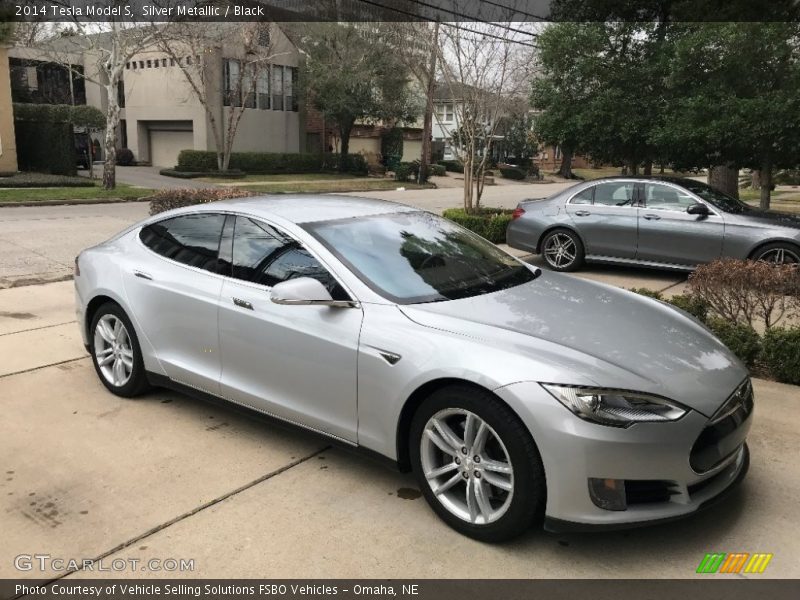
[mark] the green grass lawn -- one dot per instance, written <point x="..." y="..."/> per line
<point x="12" y="196"/>
<point x="279" y="178"/>
<point x="362" y="184"/>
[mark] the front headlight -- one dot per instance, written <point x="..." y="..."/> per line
<point x="615" y="407"/>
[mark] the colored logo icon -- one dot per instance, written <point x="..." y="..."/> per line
<point x="735" y="562"/>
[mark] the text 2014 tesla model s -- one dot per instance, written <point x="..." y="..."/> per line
<point x="512" y="393"/>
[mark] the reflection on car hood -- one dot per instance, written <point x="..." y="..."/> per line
<point x="625" y="340"/>
<point x="772" y="218"/>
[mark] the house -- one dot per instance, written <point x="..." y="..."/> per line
<point x="160" y="110"/>
<point x="8" y="153"/>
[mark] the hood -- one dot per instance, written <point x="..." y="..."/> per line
<point x="768" y="217"/>
<point x="627" y="341"/>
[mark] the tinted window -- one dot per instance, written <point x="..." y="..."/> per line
<point x="267" y="256"/>
<point x="583" y="197"/>
<point x="666" y="197"/>
<point x="192" y="239"/>
<point x="614" y="193"/>
<point x="715" y="197"/>
<point x="419" y="257"/>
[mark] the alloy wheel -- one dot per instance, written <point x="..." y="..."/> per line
<point x="467" y="466"/>
<point x="780" y="256"/>
<point x="560" y="250"/>
<point x="113" y="350"/>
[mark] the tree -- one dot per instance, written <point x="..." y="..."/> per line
<point x="482" y="72"/>
<point x="248" y="70"/>
<point x="104" y="55"/>
<point x="519" y="137"/>
<point x="601" y="90"/>
<point x="735" y="98"/>
<point x="352" y="75"/>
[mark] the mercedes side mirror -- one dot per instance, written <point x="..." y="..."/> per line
<point x="698" y="209"/>
<point x="305" y="291"/>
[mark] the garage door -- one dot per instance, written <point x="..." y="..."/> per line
<point x="165" y="146"/>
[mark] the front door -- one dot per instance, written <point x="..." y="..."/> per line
<point x="668" y="234"/>
<point x="294" y="362"/>
<point x="605" y="216"/>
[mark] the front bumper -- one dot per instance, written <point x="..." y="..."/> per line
<point x="573" y="451"/>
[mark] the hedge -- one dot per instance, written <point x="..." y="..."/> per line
<point x="229" y="174"/>
<point x="438" y="170"/>
<point x="740" y="339"/>
<point x="39" y="180"/>
<point x="490" y="223"/>
<point x="781" y="353"/>
<point x="169" y="199"/>
<point x="268" y="163"/>
<point x="452" y="165"/>
<point x="513" y="173"/>
<point x="46" y="146"/>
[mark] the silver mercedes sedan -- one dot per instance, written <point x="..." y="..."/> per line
<point x="669" y="223"/>
<point x="514" y="395"/>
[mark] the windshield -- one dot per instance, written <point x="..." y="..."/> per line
<point x="415" y="257"/>
<point x="715" y="197"/>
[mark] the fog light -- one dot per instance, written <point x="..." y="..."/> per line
<point x="608" y="494"/>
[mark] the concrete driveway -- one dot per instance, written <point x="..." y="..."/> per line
<point x="89" y="475"/>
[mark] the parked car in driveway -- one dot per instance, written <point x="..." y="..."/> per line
<point x="670" y="223"/>
<point x="512" y="393"/>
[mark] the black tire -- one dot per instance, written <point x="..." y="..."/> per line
<point x="769" y="253"/>
<point x="137" y="382"/>
<point x="552" y="262"/>
<point x="529" y="487"/>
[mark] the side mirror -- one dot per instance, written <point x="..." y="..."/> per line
<point x="305" y="291"/>
<point x="698" y="209"/>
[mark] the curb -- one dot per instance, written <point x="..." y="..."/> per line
<point x="71" y="202"/>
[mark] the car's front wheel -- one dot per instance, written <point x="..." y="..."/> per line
<point x="778" y="253"/>
<point x="115" y="352"/>
<point x="477" y="464"/>
<point x="563" y="250"/>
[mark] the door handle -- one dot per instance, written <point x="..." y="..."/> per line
<point x="582" y="213"/>
<point x="652" y="217"/>
<point x="143" y="275"/>
<point x="243" y="303"/>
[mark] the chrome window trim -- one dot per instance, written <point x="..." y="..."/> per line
<point x="249" y="284"/>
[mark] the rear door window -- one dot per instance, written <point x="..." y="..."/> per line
<point x="191" y="240"/>
<point x="614" y="193"/>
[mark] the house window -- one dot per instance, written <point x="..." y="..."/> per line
<point x="149" y="64"/>
<point x="141" y="64"/>
<point x="171" y="62"/>
<point x="32" y="77"/>
<point x="156" y="64"/>
<point x="291" y="86"/>
<point x="231" y="95"/>
<point x="188" y="60"/>
<point x="445" y="113"/>
<point x="277" y="87"/>
<point x="262" y="88"/>
<point x="248" y="86"/>
<point x="163" y="62"/>
<point x="121" y="94"/>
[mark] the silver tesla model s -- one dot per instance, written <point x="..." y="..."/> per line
<point x="669" y="223"/>
<point x="513" y="394"/>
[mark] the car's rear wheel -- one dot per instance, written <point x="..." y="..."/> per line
<point x="477" y="464"/>
<point x="778" y="253"/>
<point x="115" y="352"/>
<point x="563" y="250"/>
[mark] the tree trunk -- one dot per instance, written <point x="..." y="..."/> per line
<point x="427" y="123"/>
<point x="648" y="168"/>
<point x="110" y="145"/>
<point x="468" y="163"/>
<point x="725" y="178"/>
<point x="755" y="179"/>
<point x="565" y="170"/>
<point x="344" y="135"/>
<point x="766" y="184"/>
<point x="633" y="167"/>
